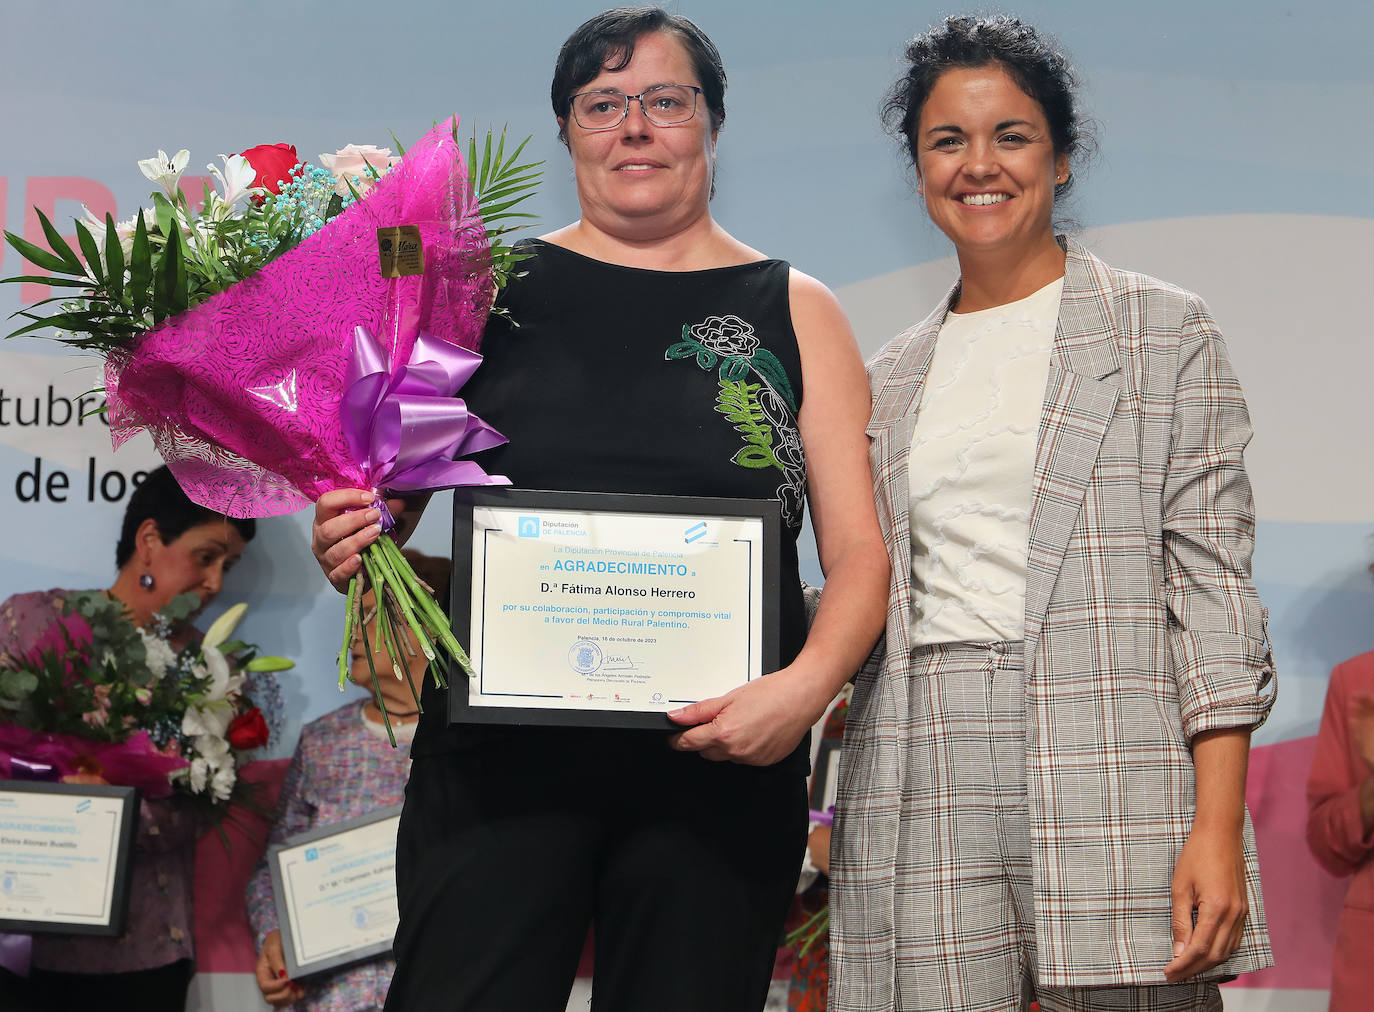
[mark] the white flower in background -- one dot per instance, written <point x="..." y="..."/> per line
<point x="223" y="627"/>
<point x="213" y="749"/>
<point x="350" y="164"/>
<point x="235" y="182"/>
<point x="161" y="657"/>
<point x="223" y="783"/>
<point x="166" y="172"/>
<point x="200" y="770"/>
<point x="124" y="229"/>
<point x="213" y="711"/>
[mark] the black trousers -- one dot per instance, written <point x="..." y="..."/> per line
<point x="510" y="850"/>
<point x="162" y="989"/>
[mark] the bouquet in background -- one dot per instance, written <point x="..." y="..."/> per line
<point x="101" y="697"/>
<point x="304" y="331"/>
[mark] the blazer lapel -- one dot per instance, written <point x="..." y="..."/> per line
<point x="899" y="392"/>
<point x="896" y="400"/>
<point x="1077" y="410"/>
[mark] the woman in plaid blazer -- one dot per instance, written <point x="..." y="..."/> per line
<point x="1050" y="806"/>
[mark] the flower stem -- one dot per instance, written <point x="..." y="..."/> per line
<point x="376" y="685"/>
<point x="435" y="620"/>
<point x="404" y="582"/>
<point x="379" y="593"/>
<point x="347" y="647"/>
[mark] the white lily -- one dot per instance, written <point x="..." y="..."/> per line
<point x="235" y="182"/>
<point x="123" y="229"/>
<point x="166" y="172"/>
<point x="210" y="720"/>
<point x="223" y="627"/>
<point x="212" y="748"/>
<point x="199" y="770"/>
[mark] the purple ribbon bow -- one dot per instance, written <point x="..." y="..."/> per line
<point x="405" y="430"/>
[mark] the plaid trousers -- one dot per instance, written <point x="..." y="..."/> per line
<point x="936" y="769"/>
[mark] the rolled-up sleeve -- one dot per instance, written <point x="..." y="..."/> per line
<point x="1218" y="641"/>
<point x="1336" y="834"/>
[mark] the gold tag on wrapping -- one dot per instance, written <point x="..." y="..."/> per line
<point x="400" y="250"/>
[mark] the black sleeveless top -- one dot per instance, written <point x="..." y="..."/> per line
<point x="618" y="379"/>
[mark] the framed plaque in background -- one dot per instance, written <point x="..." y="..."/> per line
<point x="335" y="892"/>
<point x="64" y="857"/>
<point x="598" y="609"/>
<point x="825" y="781"/>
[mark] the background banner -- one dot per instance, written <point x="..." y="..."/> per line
<point x="1234" y="160"/>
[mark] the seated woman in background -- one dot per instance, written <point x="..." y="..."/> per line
<point x="344" y="767"/>
<point x="168" y="546"/>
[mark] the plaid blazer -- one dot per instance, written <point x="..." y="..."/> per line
<point x="1142" y="626"/>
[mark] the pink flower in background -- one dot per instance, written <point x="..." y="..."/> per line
<point x="98" y="716"/>
<point x="350" y="165"/>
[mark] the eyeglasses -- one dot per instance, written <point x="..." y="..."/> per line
<point x="663" y="105"/>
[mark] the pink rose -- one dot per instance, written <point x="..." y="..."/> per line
<point x="350" y="165"/>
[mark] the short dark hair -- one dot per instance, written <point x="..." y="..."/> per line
<point x="1036" y="62"/>
<point x="434" y="570"/>
<point x="607" y="42"/>
<point x="159" y="498"/>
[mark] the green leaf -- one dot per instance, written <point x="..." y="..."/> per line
<point x="767" y="366"/>
<point x="114" y="261"/>
<point x="91" y="252"/>
<point x="165" y="214"/>
<point x="59" y="245"/>
<point x="35" y="255"/>
<point x="78" y="322"/>
<point x="400" y="148"/>
<point x="686" y="349"/>
<point x="734" y="369"/>
<point x="140" y="268"/>
<point x="270" y="663"/>
<point x="17" y="684"/>
<point x="48" y="279"/>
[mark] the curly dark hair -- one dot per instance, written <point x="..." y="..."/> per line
<point x="607" y="42"/>
<point x="1033" y="60"/>
<point x="159" y="498"/>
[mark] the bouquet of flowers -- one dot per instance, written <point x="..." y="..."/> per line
<point x="306" y="329"/>
<point x="101" y="697"/>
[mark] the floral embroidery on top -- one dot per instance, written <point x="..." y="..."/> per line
<point x="763" y="412"/>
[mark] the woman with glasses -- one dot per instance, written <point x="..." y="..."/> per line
<point x="1043" y="785"/>
<point x="682" y="852"/>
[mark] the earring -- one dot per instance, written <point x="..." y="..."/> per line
<point x="146" y="581"/>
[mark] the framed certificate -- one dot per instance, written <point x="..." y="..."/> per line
<point x="599" y="609"/>
<point x="64" y="857"/>
<point x="825" y="781"/>
<point x="335" y="892"/>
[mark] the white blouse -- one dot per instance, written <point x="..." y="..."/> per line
<point x="970" y="467"/>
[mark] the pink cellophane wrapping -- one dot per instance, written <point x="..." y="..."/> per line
<point x="241" y="393"/>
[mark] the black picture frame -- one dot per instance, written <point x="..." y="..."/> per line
<point x="119" y="850"/>
<point x="825" y="778"/>
<point x="287" y="918"/>
<point x="466" y="500"/>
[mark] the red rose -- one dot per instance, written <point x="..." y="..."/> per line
<point x="248" y="730"/>
<point x="273" y="164"/>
